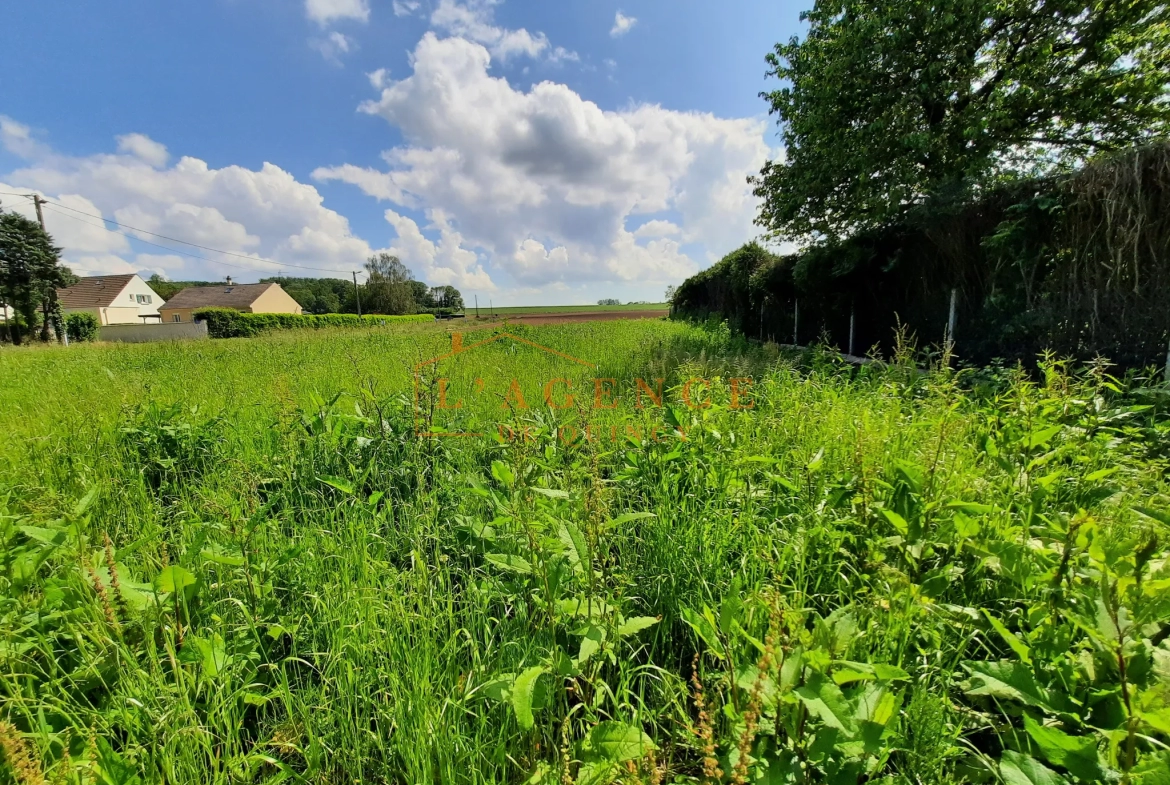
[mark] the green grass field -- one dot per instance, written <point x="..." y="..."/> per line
<point x="539" y="309"/>
<point x="235" y="562"/>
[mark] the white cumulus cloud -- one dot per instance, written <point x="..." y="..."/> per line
<point x="333" y="46"/>
<point x="473" y="20"/>
<point x="325" y="11"/>
<point x="257" y="214"/>
<point x="144" y="148"/>
<point x="543" y="181"/>
<point x="622" y="24"/>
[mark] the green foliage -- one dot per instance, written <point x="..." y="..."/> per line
<point x="873" y="575"/>
<point x="30" y="274"/>
<point x="735" y="288"/>
<point x="319" y="295"/>
<point x="81" y="326"/>
<point x="228" y="323"/>
<point x="1069" y="264"/>
<point x="388" y="288"/>
<point x="885" y="106"/>
<point x="168" y="289"/>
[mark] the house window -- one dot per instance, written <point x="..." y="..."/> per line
<point x="143" y="298"/>
<point x="177" y="318"/>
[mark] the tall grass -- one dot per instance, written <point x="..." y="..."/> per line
<point x="236" y="562"/>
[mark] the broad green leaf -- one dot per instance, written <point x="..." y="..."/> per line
<point x="522" y="690"/>
<point x="601" y="772"/>
<point x="897" y="521"/>
<point x="886" y="672"/>
<point x="1152" y="769"/>
<point x="1010" y="638"/>
<point x="499" y="688"/>
<point x="503" y="474"/>
<point x="1078" y="754"/>
<point x="343" y="485"/>
<point x="574" y="541"/>
<point x="53" y="537"/>
<point x="174" y="578"/>
<point x="1043" y="436"/>
<point x="210" y="652"/>
<point x="1018" y="769"/>
<point x="636" y="625"/>
<point x="825" y="701"/>
<point x="1006" y="680"/>
<point x="618" y="742"/>
<point x="509" y="562"/>
<point x="591" y="640"/>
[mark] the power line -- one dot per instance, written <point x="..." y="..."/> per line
<point x="105" y="220"/>
<point x="156" y="245"/>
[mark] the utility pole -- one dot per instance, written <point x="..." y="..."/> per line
<point x="477" y="306"/>
<point x="852" y="314"/>
<point x="357" y="293"/>
<point x="38" y="201"/>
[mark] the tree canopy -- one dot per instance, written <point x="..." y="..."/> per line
<point x="389" y="288"/>
<point x="30" y="274"/>
<point x="888" y="104"/>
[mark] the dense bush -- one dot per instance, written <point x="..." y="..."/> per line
<point x="226" y="323"/>
<point x="81" y="326"/>
<point x="1077" y="264"/>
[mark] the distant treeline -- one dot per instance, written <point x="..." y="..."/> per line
<point x="1079" y="264"/>
<point x="334" y="295"/>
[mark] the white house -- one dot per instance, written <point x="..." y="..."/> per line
<point x="113" y="299"/>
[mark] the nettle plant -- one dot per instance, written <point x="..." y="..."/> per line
<point x="536" y="555"/>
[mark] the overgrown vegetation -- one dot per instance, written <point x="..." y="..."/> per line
<point x="1076" y="264"/>
<point x="234" y="562"/>
<point x="229" y="323"/>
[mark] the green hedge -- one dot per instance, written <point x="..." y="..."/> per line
<point x="81" y="326"/>
<point x="226" y="323"/>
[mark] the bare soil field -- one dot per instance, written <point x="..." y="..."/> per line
<point x="586" y="316"/>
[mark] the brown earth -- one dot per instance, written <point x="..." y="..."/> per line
<point x="586" y="316"/>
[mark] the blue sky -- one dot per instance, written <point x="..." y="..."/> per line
<point x="528" y="152"/>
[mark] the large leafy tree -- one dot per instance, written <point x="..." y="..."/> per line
<point x="388" y="289"/>
<point x="30" y="273"/>
<point x="888" y="103"/>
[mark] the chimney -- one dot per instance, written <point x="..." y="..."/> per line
<point x="229" y="280"/>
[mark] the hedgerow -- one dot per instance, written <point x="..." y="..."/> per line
<point x="226" y="323"/>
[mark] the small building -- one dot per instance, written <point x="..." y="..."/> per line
<point x="113" y="299"/>
<point x="246" y="297"/>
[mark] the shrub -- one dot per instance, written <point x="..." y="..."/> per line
<point x="226" y="323"/>
<point x="81" y="326"/>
